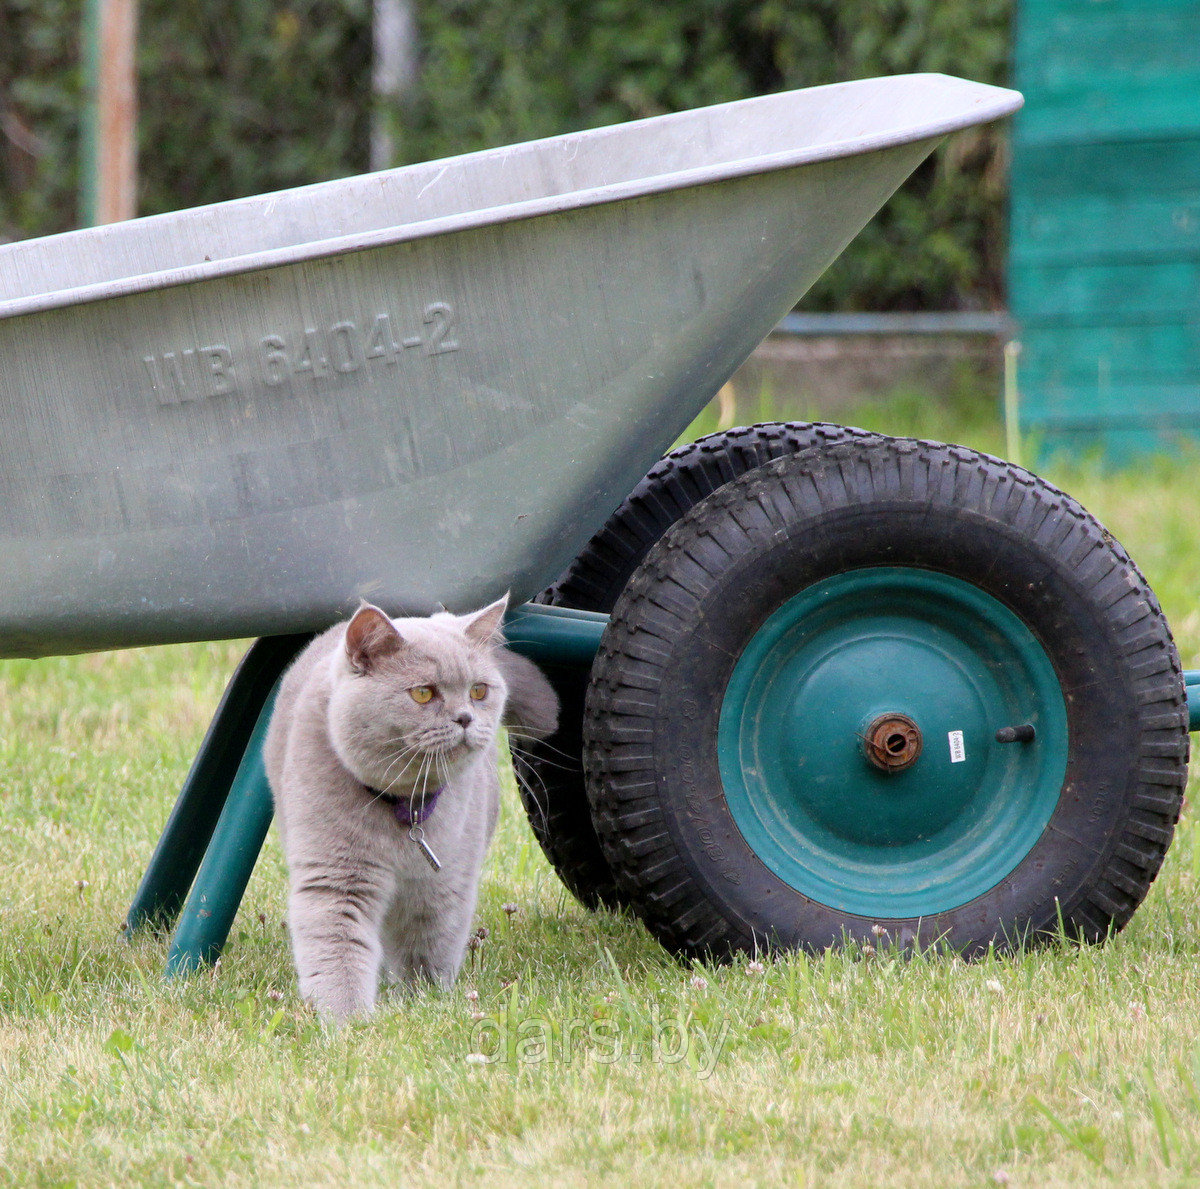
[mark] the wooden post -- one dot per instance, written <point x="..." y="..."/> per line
<point x="108" y="185"/>
<point x="392" y="75"/>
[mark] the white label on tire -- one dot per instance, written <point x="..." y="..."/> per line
<point x="958" y="752"/>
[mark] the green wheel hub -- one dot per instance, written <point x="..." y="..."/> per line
<point x="857" y="742"/>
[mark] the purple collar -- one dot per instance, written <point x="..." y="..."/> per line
<point x="409" y="811"/>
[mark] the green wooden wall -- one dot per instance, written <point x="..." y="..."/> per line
<point x="1104" y="272"/>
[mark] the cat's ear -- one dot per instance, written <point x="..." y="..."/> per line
<point x="370" y="636"/>
<point x="484" y="626"/>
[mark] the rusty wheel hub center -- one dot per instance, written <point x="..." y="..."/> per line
<point x="892" y="742"/>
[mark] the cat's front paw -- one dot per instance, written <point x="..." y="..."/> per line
<point x="336" y="1003"/>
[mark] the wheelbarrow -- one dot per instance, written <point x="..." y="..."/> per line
<point x="817" y="684"/>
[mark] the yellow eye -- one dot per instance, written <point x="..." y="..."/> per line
<point x="421" y="694"/>
<point x="479" y="691"/>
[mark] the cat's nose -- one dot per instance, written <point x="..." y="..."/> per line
<point x="464" y="718"/>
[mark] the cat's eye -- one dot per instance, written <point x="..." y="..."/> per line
<point x="479" y="691"/>
<point x="421" y="694"/>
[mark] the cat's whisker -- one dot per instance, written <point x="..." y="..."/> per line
<point x="412" y="753"/>
<point x="418" y="781"/>
<point x="404" y="757"/>
<point x="530" y="754"/>
<point x="533" y="784"/>
<point x="537" y="741"/>
<point x="538" y="806"/>
<point x="443" y="773"/>
<point x="545" y="763"/>
<point x="426" y="772"/>
<point x="388" y="779"/>
<point x="431" y="768"/>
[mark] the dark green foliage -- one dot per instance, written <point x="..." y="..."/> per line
<point x="235" y="97"/>
<point x="239" y="97"/>
<point x="39" y="115"/>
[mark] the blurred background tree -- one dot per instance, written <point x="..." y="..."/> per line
<point x="243" y="96"/>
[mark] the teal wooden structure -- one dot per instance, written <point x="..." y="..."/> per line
<point x="1105" y="226"/>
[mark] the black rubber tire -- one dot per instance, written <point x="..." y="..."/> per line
<point x="671" y="488"/>
<point x="650" y="725"/>
<point x="551" y="783"/>
<point x="550" y="775"/>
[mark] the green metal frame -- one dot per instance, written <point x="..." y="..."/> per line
<point x="190" y="827"/>
<point x="214" y="834"/>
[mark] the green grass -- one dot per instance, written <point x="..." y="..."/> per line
<point x="614" y="1064"/>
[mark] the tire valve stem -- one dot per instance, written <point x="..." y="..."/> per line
<point x="1022" y="734"/>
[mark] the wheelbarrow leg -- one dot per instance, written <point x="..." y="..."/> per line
<point x="229" y="860"/>
<point x="214" y="773"/>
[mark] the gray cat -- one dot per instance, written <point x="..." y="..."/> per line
<point x="381" y="755"/>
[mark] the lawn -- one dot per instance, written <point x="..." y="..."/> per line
<point x="573" y="1050"/>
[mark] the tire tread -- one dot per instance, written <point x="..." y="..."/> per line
<point x="664" y="893"/>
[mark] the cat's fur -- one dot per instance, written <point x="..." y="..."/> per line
<point x="364" y="900"/>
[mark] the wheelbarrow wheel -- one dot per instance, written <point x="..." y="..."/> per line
<point x="550" y="775"/>
<point x="892" y="692"/>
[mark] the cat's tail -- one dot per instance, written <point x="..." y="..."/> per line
<point x="532" y="706"/>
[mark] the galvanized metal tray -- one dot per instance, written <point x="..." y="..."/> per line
<point x="424" y="385"/>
